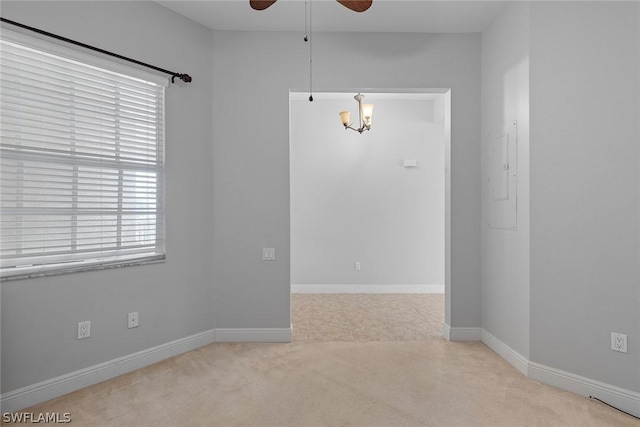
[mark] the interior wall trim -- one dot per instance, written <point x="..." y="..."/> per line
<point x="446" y="331"/>
<point x="461" y="334"/>
<point x="514" y="358"/>
<point x="55" y="387"/>
<point x="16" y="400"/>
<point x="626" y="400"/>
<point x="367" y="289"/>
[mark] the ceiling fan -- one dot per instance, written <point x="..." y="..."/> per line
<point x="355" y="5"/>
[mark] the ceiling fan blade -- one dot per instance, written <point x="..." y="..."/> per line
<point x="261" y="4"/>
<point x="356" y="5"/>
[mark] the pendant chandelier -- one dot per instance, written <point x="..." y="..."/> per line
<point x="365" y="111"/>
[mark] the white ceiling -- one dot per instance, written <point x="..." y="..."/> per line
<point x="451" y="16"/>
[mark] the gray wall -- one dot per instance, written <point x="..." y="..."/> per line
<point x="175" y="298"/>
<point x="555" y="288"/>
<point x="352" y="199"/>
<point x="505" y="252"/>
<point x="221" y="213"/>
<point x="585" y="188"/>
<point x="253" y="74"/>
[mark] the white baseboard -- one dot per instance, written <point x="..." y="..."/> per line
<point x="626" y="400"/>
<point x="49" y="389"/>
<point x="514" y="358"/>
<point x="460" y="334"/>
<point x="16" y="400"/>
<point x="367" y="289"/>
<point x="446" y="331"/>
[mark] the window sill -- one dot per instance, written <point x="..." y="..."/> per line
<point x="54" y="270"/>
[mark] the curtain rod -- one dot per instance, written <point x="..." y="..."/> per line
<point x="184" y="77"/>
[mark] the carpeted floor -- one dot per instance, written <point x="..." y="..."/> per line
<point x="351" y="364"/>
<point x="367" y="317"/>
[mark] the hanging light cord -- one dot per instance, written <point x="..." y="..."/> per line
<point x="306" y="39"/>
<point x="309" y="38"/>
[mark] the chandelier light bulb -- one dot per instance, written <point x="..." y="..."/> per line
<point x="345" y="116"/>
<point x="367" y="113"/>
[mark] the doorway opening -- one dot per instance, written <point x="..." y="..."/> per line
<point x="370" y="216"/>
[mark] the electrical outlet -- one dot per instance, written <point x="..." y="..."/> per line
<point x="133" y="320"/>
<point x="84" y="329"/>
<point x="357" y="266"/>
<point x="618" y="342"/>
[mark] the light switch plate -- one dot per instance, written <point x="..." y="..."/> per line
<point x="268" y="254"/>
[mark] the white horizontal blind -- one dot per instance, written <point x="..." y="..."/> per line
<point x="81" y="163"/>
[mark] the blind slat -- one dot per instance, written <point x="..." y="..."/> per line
<point x="82" y="160"/>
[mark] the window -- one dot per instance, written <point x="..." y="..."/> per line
<point x="81" y="160"/>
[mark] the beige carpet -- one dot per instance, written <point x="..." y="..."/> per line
<point x="368" y="317"/>
<point x="345" y="368"/>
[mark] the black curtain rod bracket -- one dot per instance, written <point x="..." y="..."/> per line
<point x="182" y="76"/>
